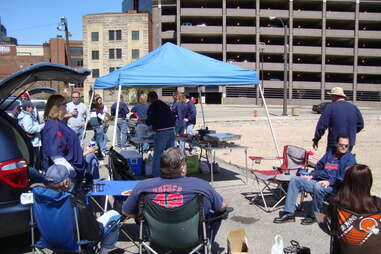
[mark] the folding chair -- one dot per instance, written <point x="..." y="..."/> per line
<point x="350" y="231"/>
<point x="294" y="159"/>
<point x="57" y="221"/>
<point x="175" y="230"/>
<point x="118" y="166"/>
<point x="119" y="169"/>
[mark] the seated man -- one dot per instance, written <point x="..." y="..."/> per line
<point x="57" y="177"/>
<point x="173" y="179"/>
<point x="326" y="178"/>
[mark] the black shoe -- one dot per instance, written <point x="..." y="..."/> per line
<point x="287" y="217"/>
<point x="308" y="220"/>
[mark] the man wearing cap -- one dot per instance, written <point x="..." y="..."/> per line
<point x="29" y="122"/>
<point x="340" y="118"/>
<point x="58" y="178"/>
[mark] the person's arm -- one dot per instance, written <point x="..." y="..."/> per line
<point x="113" y="109"/>
<point x="321" y="126"/>
<point x="319" y="167"/>
<point x="192" y="111"/>
<point x="130" y="206"/>
<point x="360" y="120"/>
<point x="60" y="160"/>
<point x="30" y="127"/>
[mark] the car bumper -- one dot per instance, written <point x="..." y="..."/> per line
<point x="14" y="220"/>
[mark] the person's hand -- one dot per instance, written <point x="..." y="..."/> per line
<point x="324" y="183"/>
<point x="315" y="145"/>
<point x="91" y="149"/>
<point x="308" y="177"/>
<point x="186" y="120"/>
<point x="74" y="113"/>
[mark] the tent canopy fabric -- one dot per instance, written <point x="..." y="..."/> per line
<point x="171" y="65"/>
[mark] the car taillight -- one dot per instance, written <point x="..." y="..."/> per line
<point x="14" y="173"/>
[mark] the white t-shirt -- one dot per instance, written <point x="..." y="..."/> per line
<point x="79" y="120"/>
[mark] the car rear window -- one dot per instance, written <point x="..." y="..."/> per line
<point x="9" y="105"/>
<point x="40" y="105"/>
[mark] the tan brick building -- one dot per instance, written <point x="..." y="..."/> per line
<point x="111" y="41"/>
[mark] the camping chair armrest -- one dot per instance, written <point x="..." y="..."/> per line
<point x="324" y="223"/>
<point x="260" y="158"/>
<point x="221" y="216"/>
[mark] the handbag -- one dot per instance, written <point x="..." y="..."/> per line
<point x="296" y="248"/>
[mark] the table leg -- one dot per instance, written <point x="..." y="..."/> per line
<point x="213" y="156"/>
<point x="246" y="169"/>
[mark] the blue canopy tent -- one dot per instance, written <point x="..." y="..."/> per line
<point x="171" y="65"/>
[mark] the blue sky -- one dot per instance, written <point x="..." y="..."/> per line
<point x="35" y="21"/>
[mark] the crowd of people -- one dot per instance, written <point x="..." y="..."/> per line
<point x="337" y="178"/>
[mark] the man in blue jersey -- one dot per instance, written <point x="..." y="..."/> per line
<point x="173" y="189"/>
<point x="326" y="178"/>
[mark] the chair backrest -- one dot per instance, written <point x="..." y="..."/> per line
<point x="356" y="233"/>
<point x="55" y="219"/>
<point x="173" y="228"/>
<point x="294" y="157"/>
<point x="119" y="167"/>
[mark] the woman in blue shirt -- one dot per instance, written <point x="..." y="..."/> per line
<point x="60" y="144"/>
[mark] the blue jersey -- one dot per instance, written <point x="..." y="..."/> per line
<point x="174" y="192"/>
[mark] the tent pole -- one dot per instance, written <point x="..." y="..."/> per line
<point x="202" y="108"/>
<point x="87" y="116"/>
<point x="268" y="119"/>
<point x="116" y="116"/>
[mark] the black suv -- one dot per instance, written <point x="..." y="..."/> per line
<point x="16" y="153"/>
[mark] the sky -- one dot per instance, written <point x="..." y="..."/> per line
<point x="36" y="21"/>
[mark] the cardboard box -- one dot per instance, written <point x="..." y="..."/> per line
<point x="237" y="241"/>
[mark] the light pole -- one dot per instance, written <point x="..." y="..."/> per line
<point x="62" y="26"/>
<point x="285" y="59"/>
<point x="262" y="46"/>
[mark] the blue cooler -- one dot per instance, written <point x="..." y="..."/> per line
<point x="135" y="160"/>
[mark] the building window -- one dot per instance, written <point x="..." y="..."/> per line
<point x="115" y="53"/>
<point x="94" y="36"/>
<point x="95" y="54"/>
<point x="76" y="51"/>
<point x="111" y="69"/>
<point x="135" y="53"/>
<point x="76" y="62"/>
<point x="135" y="35"/>
<point x="114" y="35"/>
<point x="95" y="73"/>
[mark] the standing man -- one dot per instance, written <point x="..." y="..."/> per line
<point x="162" y="120"/>
<point x="190" y="115"/>
<point x="77" y="114"/>
<point x="122" y="125"/>
<point x="326" y="178"/>
<point x="340" y="117"/>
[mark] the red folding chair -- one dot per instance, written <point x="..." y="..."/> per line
<point x="272" y="182"/>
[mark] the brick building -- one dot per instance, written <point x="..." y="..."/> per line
<point x="14" y="57"/>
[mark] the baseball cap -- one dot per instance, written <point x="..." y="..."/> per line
<point x="57" y="173"/>
<point x="27" y="104"/>
<point x="25" y="95"/>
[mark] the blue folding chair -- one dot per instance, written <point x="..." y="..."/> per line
<point x="57" y="221"/>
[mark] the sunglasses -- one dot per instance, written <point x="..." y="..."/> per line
<point x="343" y="145"/>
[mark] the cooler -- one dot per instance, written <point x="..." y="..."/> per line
<point x="135" y="161"/>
